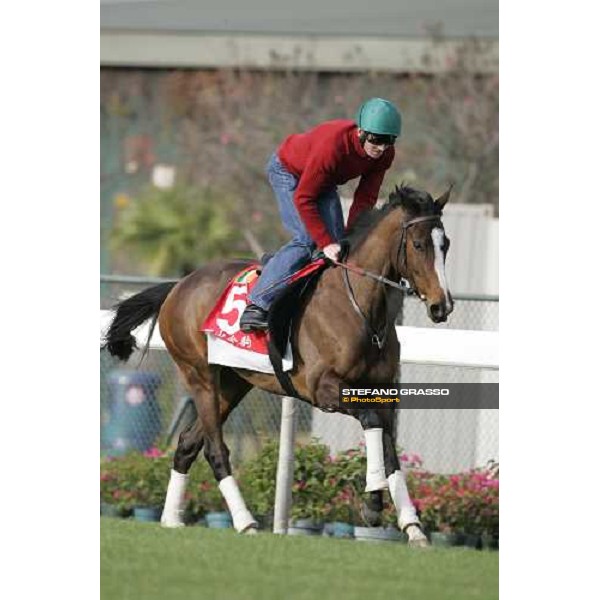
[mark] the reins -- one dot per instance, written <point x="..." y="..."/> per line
<point x="402" y="285"/>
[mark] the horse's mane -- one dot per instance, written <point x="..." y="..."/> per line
<point x="415" y="202"/>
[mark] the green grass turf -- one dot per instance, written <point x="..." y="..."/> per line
<point x="142" y="561"/>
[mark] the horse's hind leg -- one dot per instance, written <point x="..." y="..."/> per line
<point x="217" y="453"/>
<point x="190" y="443"/>
<point x="192" y="439"/>
<point x="231" y="391"/>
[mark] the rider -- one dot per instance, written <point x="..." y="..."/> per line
<point x="304" y="173"/>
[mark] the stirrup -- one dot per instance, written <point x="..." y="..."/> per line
<point x="253" y="318"/>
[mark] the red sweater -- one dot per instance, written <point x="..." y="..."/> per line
<point x="326" y="156"/>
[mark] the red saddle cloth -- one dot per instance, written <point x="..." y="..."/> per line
<point x="223" y="320"/>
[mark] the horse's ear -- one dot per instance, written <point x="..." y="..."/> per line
<point x="441" y="201"/>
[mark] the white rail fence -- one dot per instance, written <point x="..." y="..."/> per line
<point x="442" y="347"/>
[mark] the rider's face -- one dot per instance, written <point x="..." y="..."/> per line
<point x="374" y="150"/>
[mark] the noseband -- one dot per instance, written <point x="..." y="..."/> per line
<point x="379" y="339"/>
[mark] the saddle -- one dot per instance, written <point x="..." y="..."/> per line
<point x="283" y="319"/>
<point x="262" y="351"/>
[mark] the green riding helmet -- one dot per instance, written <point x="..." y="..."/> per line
<point x="379" y="116"/>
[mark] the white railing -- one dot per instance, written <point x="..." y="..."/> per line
<point x="429" y="346"/>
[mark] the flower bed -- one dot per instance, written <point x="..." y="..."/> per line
<point x="325" y="489"/>
<point x="141" y="479"/>
<point x="465" y="503"/>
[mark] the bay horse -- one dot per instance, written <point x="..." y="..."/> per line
<point x="344" y="333"/>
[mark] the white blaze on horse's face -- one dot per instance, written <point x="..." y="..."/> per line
<point x="438" y="236"/>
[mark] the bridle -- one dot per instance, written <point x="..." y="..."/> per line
<point x="379" y="339"/>
<point x="404" y="235"/>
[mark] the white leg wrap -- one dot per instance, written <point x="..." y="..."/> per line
<point x="172" y="515"/>
<point x="375" y="470"/>
<point x="404" y="507"/>
<point x="242" y="518"/>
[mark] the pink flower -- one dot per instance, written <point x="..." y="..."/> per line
<point x="416" y="459"/>
<point x="153" y="453"/>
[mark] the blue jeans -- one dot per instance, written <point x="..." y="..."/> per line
<point x="297" y="252"/>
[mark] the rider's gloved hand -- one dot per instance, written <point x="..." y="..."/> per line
<point x="332" y="251"/>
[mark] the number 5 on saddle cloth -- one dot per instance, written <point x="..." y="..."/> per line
<point x="264" y="351"/>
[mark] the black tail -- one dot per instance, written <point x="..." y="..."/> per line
<point x="131" y="313"/>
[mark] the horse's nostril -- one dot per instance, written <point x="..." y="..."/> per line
<point x="437" y="310"/>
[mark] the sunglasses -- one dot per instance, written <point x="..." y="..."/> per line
<point x="381" y="140"/>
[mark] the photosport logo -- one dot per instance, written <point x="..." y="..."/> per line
<point x="426" y="395"/>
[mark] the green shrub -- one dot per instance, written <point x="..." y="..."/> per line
<point x="257" y="480"/>
<point x="135" y="479"/>
<point x="324" y="487"/>
<point x="311" y="489"/>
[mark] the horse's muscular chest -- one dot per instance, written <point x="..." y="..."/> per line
<point x="347" y="352"/>
<point x="334" y="338"/>
<point x="367" y="363"/>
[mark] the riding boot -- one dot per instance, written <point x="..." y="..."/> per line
<point x="254" y="318"/>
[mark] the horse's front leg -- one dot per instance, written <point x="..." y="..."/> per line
<point x="408" y="520"/>
<point x="327" y="395"/>
<point x="372" y="425"/>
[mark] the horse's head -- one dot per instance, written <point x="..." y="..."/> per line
<point x="420" y="252"/>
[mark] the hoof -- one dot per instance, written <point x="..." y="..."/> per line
<point x="250" y="530"/>
<point x="172" y="524"/>
<point x="416" y="537"/>
<point x="370" y="517"/>
<point x="419" y="543"/>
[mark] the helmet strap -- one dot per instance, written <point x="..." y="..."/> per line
<point x="362" y="137"/>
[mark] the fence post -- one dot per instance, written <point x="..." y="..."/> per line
<point x="285" y="466"/>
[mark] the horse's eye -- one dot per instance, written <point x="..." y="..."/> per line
<point x="418" y="245"/>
